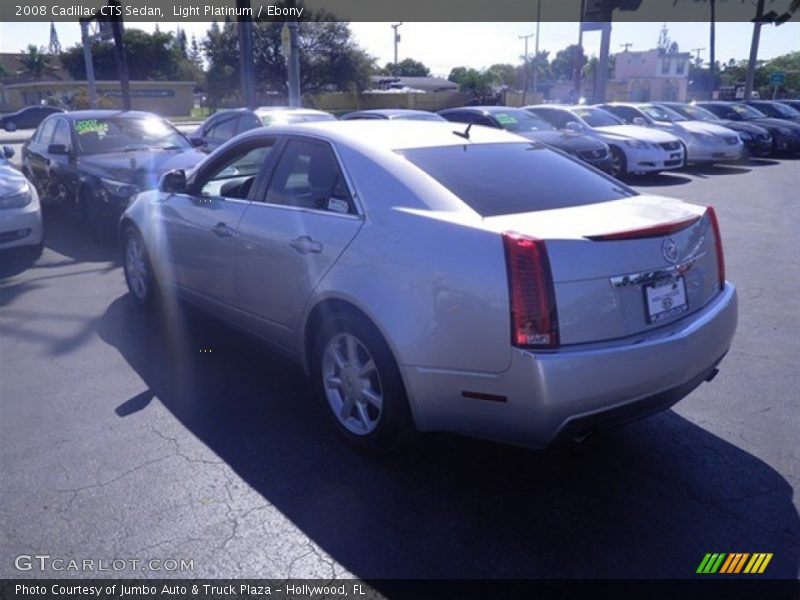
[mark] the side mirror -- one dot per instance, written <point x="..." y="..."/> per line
<point x="640" y="121"/>
<point x="574" y="127"/>
<point x="58" y="150"/>
<point x="173" y="182"/>
<point x="8" y="152"/>
<point x="197" y="142"/>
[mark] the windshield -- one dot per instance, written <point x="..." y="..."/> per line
<point x="287" y="118"/>
<point x="661" y="113"/>
<point x="747" y="112"/>
<point x="777" y="109"/>
<point x="118" y="134"/>
<point x="418" y="117"/>
<point x="510" y="178"/>
<point x="596" y="117"/>
<point x="695" y="113"/>
<point x="521" y="121"/>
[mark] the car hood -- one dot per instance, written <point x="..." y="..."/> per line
<point x="704" y="127"/>
<point x="621" y="133"/>
<point x="770" y="122"/>
<point x="569" y="142"/>
<point x="142" y="168"/>
<point x="743" y="126"/>
<point x="11" y="180"/>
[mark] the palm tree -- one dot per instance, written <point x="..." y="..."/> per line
<point x="35" y="63"/>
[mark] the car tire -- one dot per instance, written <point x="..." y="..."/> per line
<point x="358" y="383"/>
<point x="139" y="274"/>
<point x="10" y="126"/>
<point x="619" y="164"/>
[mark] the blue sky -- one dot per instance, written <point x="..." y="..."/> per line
<point x="444" y="46"/>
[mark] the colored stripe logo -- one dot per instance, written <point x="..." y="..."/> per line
<point x="734" y="563"/>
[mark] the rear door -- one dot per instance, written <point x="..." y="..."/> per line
<point x="298" y="225"/>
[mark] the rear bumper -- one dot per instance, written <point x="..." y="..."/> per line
<point x="543" y="397"/>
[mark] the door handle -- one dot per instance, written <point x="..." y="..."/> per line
<point x="222" y="230"/>
<point x="305" y="245"/>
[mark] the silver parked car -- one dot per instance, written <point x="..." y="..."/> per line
<point x="704" y="142"/>
<point x="432" y="277"/>
<point x="634" y="149"/>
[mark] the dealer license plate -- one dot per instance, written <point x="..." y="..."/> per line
<point x="665" y="299"/>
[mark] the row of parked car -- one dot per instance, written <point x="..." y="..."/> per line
<point x="97" y="161"/>
<point x="428" y="276"/>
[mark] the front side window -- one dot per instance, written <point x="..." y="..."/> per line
<point x="234" y="177"/>
<point x="61" y="135"/>
<point x="46" y="132"/>
<point x="509" y="178"/>
<point x="308" y="176"/>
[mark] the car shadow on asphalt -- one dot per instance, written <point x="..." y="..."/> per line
<point x="65" y="234"/>
<point x="646" y="500"/>
<point x="658" y="179"/>
<point x="704" y="171"/>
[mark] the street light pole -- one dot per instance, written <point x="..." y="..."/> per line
<point x="245" y="28"/>
<point x="536" y="48"/>
<point x="396" y="26"/>
<point x="751" y="65"/>
<point x="525" y="72"/>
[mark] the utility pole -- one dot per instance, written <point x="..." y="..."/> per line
<point x="87" y="58"/>
<point x="536" y="49"/>
<point x="396" y="26"/>
<point x="245" y="28"/>
<point x="601" y="78"/>
<point x="751" y="65"/>
<point x="625" y="46"/>
<point x="698" y="59"/>
<point x="293" y="65"/>
<point x="578" y="64"/>
<point x="122" y="62"/>
<point x="525" y="72"/>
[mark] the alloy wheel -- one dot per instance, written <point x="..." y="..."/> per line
<point x="352" y="384"/>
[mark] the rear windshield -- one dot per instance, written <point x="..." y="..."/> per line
<point x="509" y="178"/>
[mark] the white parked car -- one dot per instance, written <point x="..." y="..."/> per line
<point x="438" y="277"/>
<point x="20" y="211"/>
<point x="634" y="149"/>
<point x="704" y="142"/>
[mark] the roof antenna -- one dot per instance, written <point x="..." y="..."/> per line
<point x="465" y="134"/>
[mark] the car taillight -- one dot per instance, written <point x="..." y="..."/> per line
<point x="712" y="216"/>
<point x="534" y="321"/>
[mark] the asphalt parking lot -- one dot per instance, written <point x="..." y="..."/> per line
<point x="128" y="436"/>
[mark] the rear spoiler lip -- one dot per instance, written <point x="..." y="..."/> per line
<point x="659" y="230"/>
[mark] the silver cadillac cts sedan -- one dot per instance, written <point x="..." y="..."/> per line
<point x="439" y="277"/>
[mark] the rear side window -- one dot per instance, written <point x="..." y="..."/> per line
<point x="509" y="178"/>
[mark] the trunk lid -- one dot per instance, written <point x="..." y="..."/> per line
<point x="603" y="256"/>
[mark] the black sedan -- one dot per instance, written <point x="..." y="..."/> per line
<point x="775" y="110"/>
<point x="99" y="160"/>
<point x="795" y="104"/>
<point x="27" y="118"/>
<point x="225" y="124"/>
<point x="757" y="140"/>
<point x="521" y="122"/>
<point x="392" y="114"/>
<point x="785" y="134"/>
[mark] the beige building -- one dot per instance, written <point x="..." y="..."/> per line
<point x="18" y="90"/>
<point x="650" y="75"/>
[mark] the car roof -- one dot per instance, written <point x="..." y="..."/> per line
<point x="310" y="111"/>
<point x="389" y="135"/>
<point x="105" y="114"/>
<point x="391" y="112"/>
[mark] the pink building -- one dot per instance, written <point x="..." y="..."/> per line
<point x="651" y="75"/>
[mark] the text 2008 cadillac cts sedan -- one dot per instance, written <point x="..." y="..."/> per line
<point x="435" y="276"/>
